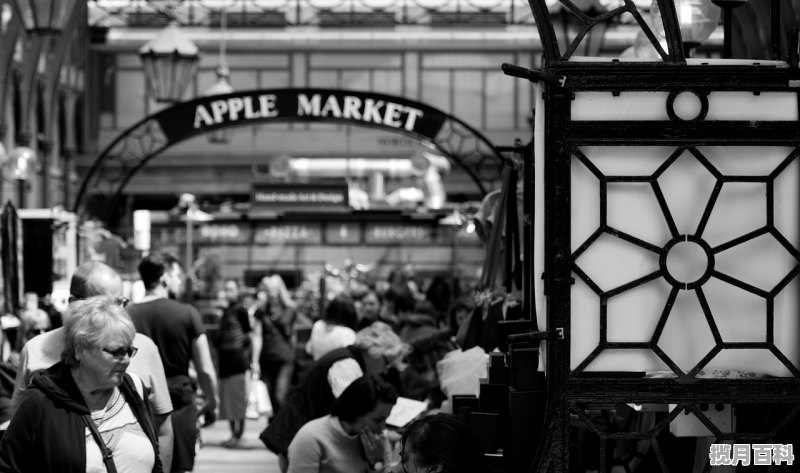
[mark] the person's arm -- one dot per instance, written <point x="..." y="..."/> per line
<point x="206" y="375"/>
<point x="19" y="440"/>
<point x="286" y="319"/>
<point x="257" y="340"/>
<point x="305" y="452"/>
<point x="165" y="439"/>
<point x="150" y="369"/>
<point x="21" y="380"/>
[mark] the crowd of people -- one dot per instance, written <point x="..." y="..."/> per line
<point x="116" y="387"/>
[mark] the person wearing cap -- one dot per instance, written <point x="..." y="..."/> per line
<point x="376" y="349"/>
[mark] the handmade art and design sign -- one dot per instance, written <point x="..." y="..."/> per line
<point x="299" y="196"/>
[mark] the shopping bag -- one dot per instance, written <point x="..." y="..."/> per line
<point x="460" y="371"/>
<point x="259" y="404"/>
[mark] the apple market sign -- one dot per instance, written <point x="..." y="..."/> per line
<point x="130" y="151"/>
<point x="305" y="105"/>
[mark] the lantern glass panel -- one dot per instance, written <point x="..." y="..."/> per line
<point x="45" y="16"/>
<point x="168" y="75"/>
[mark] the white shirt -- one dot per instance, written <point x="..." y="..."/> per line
<point x="122" y="433"/>
<point x="326" y="337"/>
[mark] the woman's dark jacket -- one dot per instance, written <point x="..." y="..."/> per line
<point x="234" y="350"/>
<point x="47" y="432"/>
<point x="277" y="323"/>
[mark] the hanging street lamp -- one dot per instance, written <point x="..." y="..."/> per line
<point x="44" y="17"/>
<point x="222" y="86"/>
<point x="21" y="162"/>
<point x="170" y="62"/>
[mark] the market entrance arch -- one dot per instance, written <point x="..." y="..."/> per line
<point x="145" y="140"/>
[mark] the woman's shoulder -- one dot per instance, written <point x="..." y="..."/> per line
<point x="313" y="428"/>
<point x="137" y="383"/>
<point x="32" y="403"/>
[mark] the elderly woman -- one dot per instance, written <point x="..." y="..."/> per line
<point x="85" y="413"/>
<point x="377" y="348"/>
<point x="442" y="443"/>
<point x="349" y="439"/>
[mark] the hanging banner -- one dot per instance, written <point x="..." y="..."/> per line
<point x="359" y="108"/>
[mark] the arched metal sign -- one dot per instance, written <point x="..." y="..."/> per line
<point x="117" y="164"/>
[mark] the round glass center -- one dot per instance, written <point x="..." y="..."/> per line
<point x="687" y="262"/>
<point x="687" y="105"/>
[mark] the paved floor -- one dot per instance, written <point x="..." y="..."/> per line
<point x="250" y="457"/>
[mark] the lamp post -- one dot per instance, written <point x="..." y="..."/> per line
<point x="193" y="214"/>
<point x="44" y="17"/>
<point x="3" y="161"/>
<point x="454" y="221"/>
<point x="21" y="161"/>
<point x="727" y="23"/>
<point x="697" y="20"/>
<point x="170" y="62"/>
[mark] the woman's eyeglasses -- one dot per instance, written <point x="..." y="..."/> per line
<point x="120" y="353"/>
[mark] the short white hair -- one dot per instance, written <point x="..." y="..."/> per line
<point x="93" y="322"/>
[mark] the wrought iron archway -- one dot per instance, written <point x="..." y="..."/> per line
<point x="136" y="146"/>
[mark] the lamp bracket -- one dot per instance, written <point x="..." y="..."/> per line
<point x="533" y="75"/>
<point x="557" y="334"/>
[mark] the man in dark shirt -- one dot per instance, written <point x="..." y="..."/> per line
<point x="178" y="333"/>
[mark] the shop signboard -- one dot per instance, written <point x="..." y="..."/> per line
<point x="223" y="232"/>
<point x="294" y="196"/>
<point x="399" y="233"/>
<point x="205" y="233"/>
<point x="240" y="108"/>
<point x="288" y="233"/>
<point x="343" y="232"/>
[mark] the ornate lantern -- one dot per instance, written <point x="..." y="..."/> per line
<point x="170" y="62"/>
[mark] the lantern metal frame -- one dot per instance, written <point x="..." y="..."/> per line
<point x="592" y="399"/>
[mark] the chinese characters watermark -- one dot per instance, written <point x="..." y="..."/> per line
<point x="746" y="454"/>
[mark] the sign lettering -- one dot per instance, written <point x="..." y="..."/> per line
<point x="390" y="232"/>
<point x="295" y="233"/>
<point x="375" y="111"/>
<point x="227" y="110"/>
<point x="300" y="196"/>
<point x="207" y="113"/>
